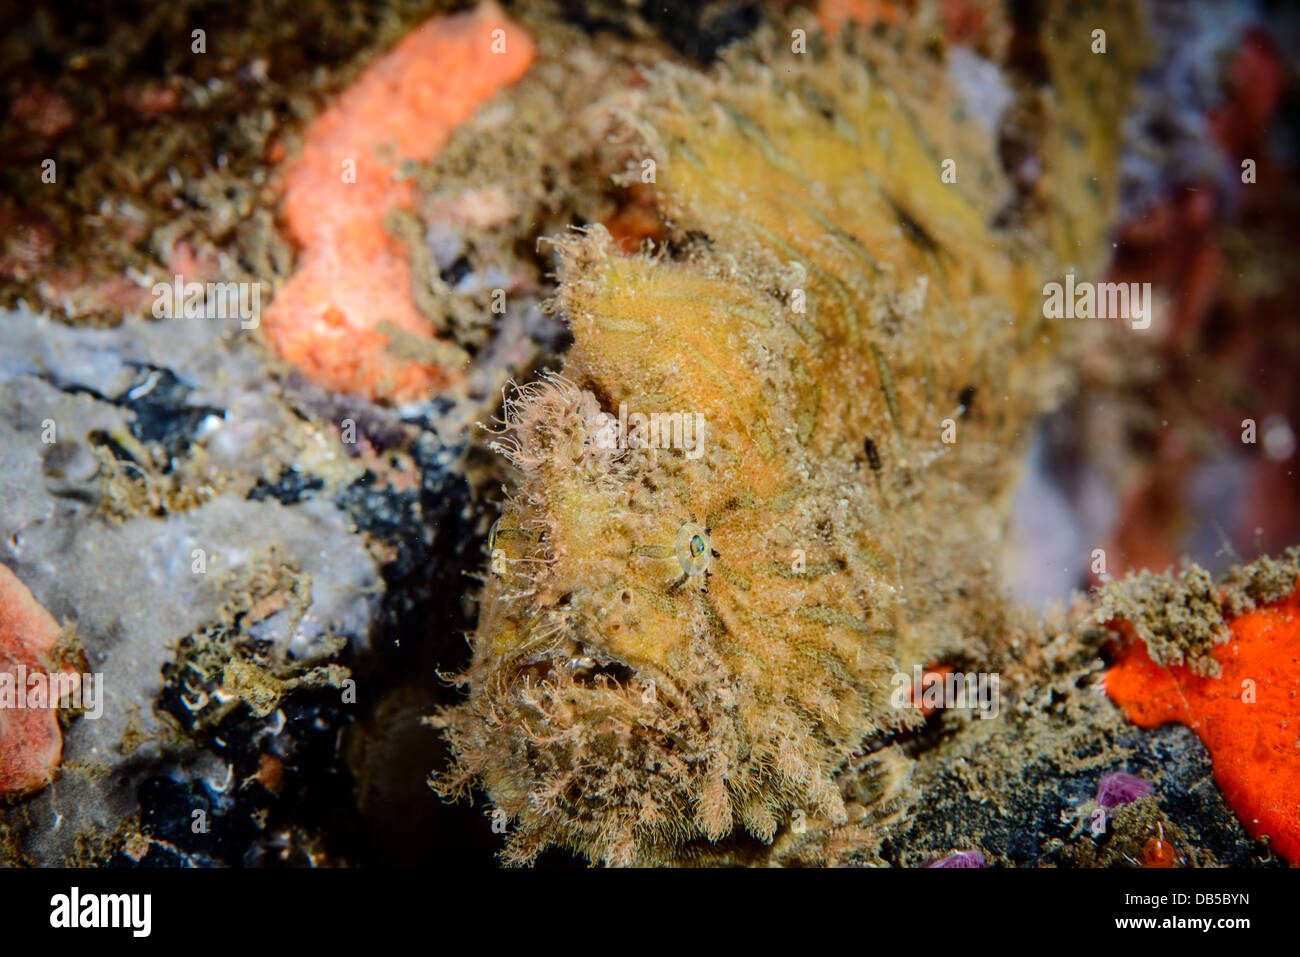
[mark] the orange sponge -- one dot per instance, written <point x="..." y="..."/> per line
<point x="352" y="274"/>
<point x="1248" y="717"/>
<point x="30" y="741"/>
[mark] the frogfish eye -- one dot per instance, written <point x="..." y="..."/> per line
<point x="693" y="549"/>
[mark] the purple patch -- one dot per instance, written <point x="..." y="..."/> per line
<point x="960" y="859"/>
<point x="1121" y="788"/>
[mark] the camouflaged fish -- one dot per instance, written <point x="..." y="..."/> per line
<point x="680" y="644"/>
